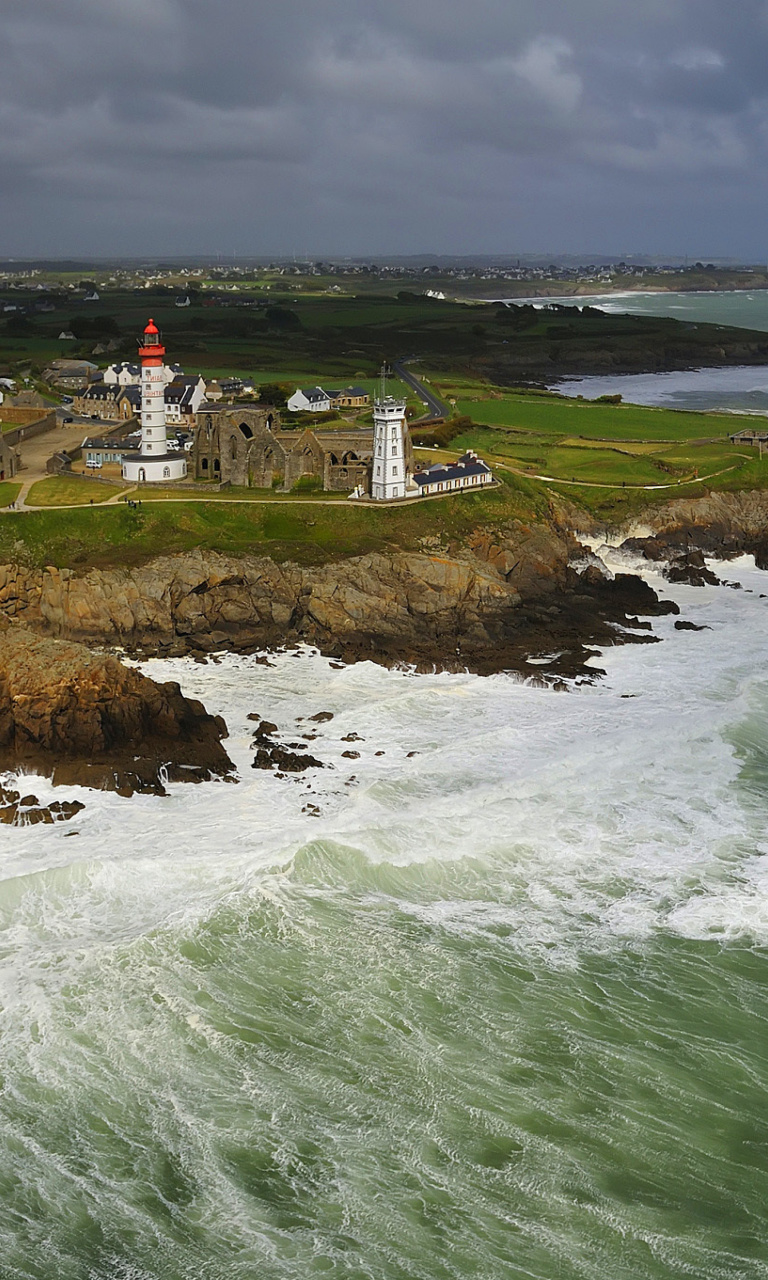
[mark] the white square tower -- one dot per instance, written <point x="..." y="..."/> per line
<point x="390" y="449"/>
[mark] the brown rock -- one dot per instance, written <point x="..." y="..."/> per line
<point x="87" y="719"/>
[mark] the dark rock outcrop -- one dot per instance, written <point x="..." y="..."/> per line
<point x="27" y="811"/>
<point x="83" y="718"/>
<point x="486" y="606"/>
<point x="679" y="534"/>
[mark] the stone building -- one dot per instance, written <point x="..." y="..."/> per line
<point x="247" y="446"/>
<point x="9" y="460"/>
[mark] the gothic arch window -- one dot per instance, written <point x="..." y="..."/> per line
<point x="204" y="464"/>
<point x="334" y="460"/>
<point x="246" y="430"/>
<point x="349" y="457"/>
<point x="270" y="420"/>
<point x="208" y="424"/>
<point x="216" y="466"/>
<point x="233" y="448"/>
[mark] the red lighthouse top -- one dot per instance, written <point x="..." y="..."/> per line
<point x="151" y="350"/>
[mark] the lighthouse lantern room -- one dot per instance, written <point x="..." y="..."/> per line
<point x="153" y="463"/>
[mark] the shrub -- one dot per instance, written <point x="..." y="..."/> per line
<point x="307" y="484"/>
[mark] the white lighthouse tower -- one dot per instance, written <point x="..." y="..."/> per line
<point x="391" y="448"/>
<point x="154" y="462"/>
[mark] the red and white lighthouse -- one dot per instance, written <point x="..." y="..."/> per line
<point x="154" y="462"/>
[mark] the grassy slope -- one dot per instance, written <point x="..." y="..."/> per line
<point x="309" y="532"/>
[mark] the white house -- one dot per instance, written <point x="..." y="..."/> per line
<point x="182" y="301"/>
<point x="183" y="398"/>
<point x="123" y="375"/>
<point x="126" y="374"/>
<point x="309" y="400"/>
<point x="469" y="472"/>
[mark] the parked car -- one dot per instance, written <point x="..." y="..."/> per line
<point x="67" y="420"/>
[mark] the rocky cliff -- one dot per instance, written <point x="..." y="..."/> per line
<point x="84" y="718"/>
<point x="486" y="605"/>
<point x="681" y="532"/>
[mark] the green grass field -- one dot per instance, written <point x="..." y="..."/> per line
<point x="558" y="415"/>
<point x="9" y="492"/>
<point x="309" y="532"/>
<point x="64" y="491"/>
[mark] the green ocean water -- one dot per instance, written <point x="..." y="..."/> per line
<point x="501" y="1010"/>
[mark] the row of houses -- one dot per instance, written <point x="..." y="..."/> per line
<point x="316" y="400"/>
<point x="113" y="402"/>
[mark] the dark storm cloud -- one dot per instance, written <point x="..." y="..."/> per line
<point x="331" y="126"/>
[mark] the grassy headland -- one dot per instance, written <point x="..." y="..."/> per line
<point x="309" y="532"/>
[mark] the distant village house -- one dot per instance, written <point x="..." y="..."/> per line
<point x="316" y="400"/>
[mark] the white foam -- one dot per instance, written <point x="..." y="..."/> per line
<point x="608" y="812"/>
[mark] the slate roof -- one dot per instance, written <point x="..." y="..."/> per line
<point x="468" y="465"/>
<point x="100" y="391"/>
<point x="179" y="393"/>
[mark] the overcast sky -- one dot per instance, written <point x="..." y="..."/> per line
<point x="367" y="127"/>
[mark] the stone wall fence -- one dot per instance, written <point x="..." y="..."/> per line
<point x="28" y="427"/>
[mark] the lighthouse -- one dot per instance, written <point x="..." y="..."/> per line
<point x="153" y="463"/>
<point x="391" y="448"/>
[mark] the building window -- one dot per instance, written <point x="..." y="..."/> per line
<point x="394" y="471"/>
<point x="166" y="473"/>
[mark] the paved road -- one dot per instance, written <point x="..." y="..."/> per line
<point x="435" y="407"/>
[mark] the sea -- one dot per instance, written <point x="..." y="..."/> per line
<point x="484" y="996"/>
<point x="737" y="389"/>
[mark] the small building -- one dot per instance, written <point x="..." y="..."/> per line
<point x="9" y="460"/>
<point x="91" y="296"/>
<point x="751" y="436"/>
<point x="124" y="374"/>
<point x="183" y="398"/>
<point x="182" y="301"/>
<point x="98" y="450"/>
<point x="104" y="401"/>
<point x="66" y="335"/>
<point x="309" y="400"/>
<point x="28" y="400"/>
<point x="350" y="398"/>
<point x="232" y="386"/>
<point x="444" y="477"/>
<point x="70" y="374"/>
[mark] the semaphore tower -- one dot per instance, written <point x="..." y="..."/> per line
<point x="153" y="463"/>
<point x="391" y="447"/>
